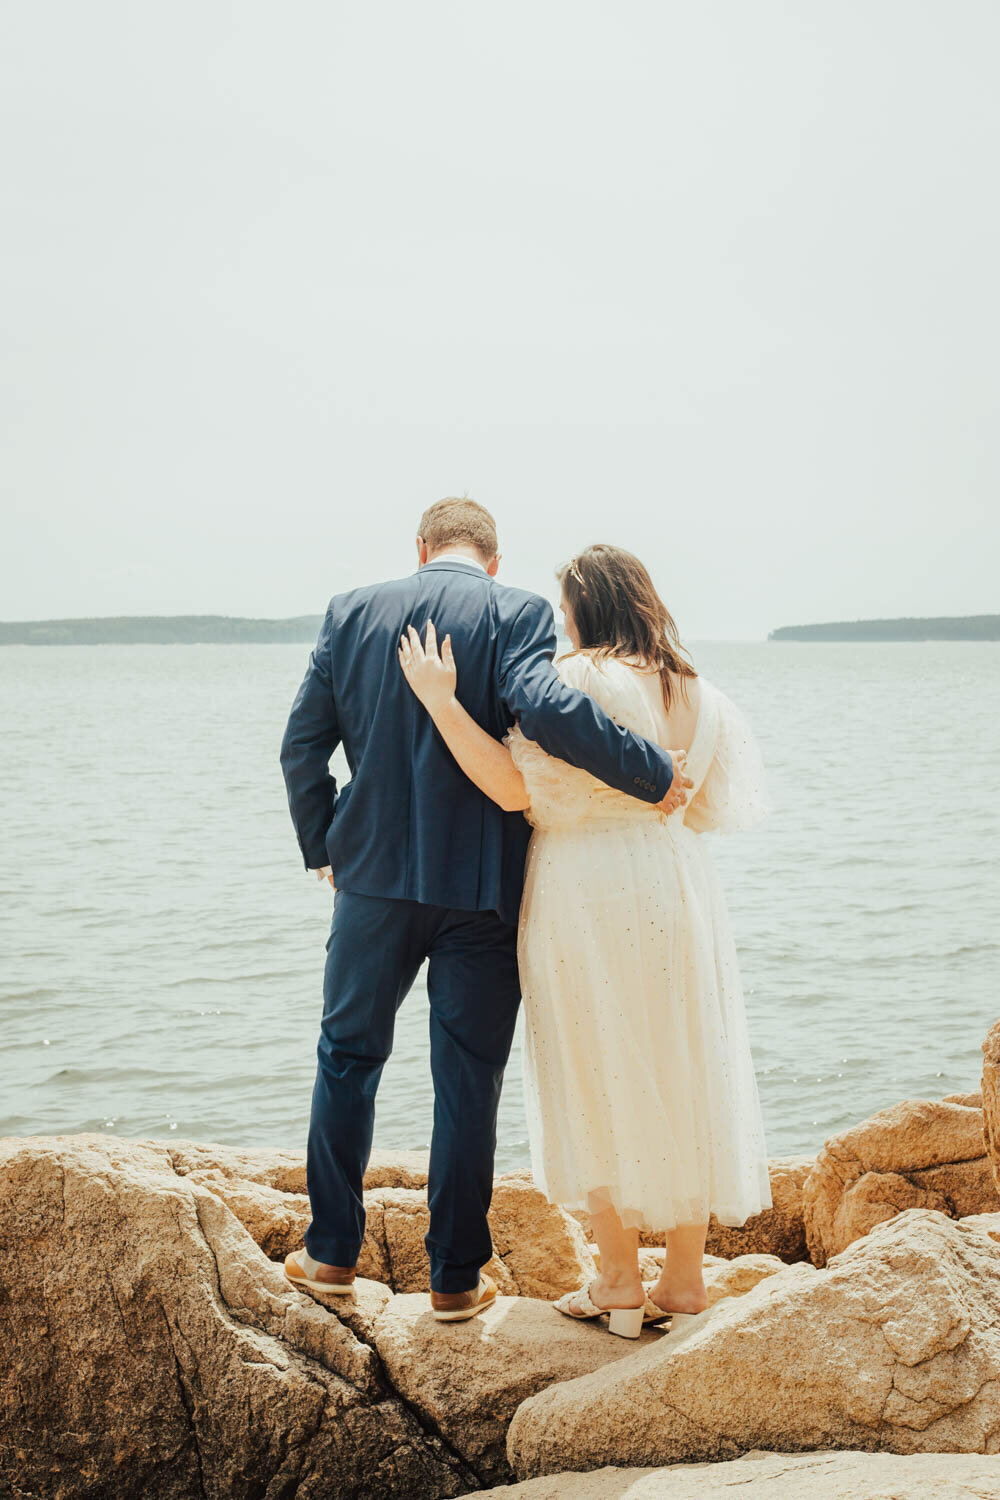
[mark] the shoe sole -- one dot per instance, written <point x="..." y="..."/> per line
<point x="320" y="1286"/>
<point x="680" y="1321"/>
<point x="659" y="1321"/>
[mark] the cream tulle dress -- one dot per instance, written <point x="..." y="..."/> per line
<point x="639" y="1083"/>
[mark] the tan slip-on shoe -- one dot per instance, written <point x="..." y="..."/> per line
<point x="456" y="1307"/>
<point x="300" y="1264"/>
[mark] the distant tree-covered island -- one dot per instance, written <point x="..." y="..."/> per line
<point x="193" y="630"/>
<point x="159" y="630"/>
<point x="943" y="628"/>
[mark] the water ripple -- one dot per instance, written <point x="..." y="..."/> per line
<point x="174" y="982"/>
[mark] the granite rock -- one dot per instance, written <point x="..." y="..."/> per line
<point x="991" y="1100"/>
<point x="781" y="1476"/>
<point x="151" y="1348"/>
<point x="895" y="1346"/>
<point x="466" y="1380"/>
<point x="920" y="1153"/>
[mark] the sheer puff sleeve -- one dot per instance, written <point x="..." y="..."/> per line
<point x="560" y="793"/>
<point x="733" y="796"/>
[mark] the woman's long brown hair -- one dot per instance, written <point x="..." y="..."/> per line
<point x="618" y="612"/>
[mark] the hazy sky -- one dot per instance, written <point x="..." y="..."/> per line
<point x="716" y="282"/>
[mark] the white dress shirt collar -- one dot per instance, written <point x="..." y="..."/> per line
<point x="458" y="557"/>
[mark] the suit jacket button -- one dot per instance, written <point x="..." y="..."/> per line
<point x="637" y="780"/>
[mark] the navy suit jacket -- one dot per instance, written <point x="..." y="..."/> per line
<point x="409" y="824"/>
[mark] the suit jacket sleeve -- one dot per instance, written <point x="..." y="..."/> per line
<point x="571" y="724"/>
<point x="310" y="739"/>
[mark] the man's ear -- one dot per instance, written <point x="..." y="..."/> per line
<point x="493" y="566"/>
<point x="421" y="552"/>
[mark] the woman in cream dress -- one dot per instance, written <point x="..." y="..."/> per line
<point x="641" y="1097"/>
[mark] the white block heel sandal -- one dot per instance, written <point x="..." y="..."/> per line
<point x="626" y="1322"/>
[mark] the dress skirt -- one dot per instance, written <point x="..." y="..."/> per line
<point x="639" y="1081"/>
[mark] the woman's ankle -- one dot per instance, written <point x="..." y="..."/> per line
<point x="688" y="1281"/>
<point x="619" y="1275"/>
<point x="680" y="1296"/>
<point x="620" y="1286"/>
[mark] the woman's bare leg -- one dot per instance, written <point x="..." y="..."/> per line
<point x="681" y="1287"/>
<point x="619" y="1284"/>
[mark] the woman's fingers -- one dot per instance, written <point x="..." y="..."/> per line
<point x="415" y="646"/>
<point x="414" y="653"/>
<point x="431" y="675"/>
<point x="420" y="649"/>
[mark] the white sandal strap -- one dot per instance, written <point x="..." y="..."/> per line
<point x="653" y="1312"/>
<point x="589" y="1308"/>
<point x="582" y="1299"/>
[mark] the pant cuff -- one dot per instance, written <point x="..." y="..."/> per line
<point x="330" y="1251"/>
<point x="448" y="1278"/>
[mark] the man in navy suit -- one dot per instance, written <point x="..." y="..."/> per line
<point x="426" y="867"/>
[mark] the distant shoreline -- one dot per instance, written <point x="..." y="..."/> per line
<point x="941" y="628"/>
<point x="201" y="630"/>
<point x="161" y="630"/>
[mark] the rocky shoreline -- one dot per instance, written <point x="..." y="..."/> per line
<point x="152" y="1346"/>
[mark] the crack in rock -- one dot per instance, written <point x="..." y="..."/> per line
<point x="187" y="1401"/>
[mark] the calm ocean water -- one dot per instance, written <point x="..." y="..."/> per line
<point x="161" y="948"/>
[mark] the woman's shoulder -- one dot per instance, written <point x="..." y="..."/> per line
<point x="594" y="671"/>
<point x="587" y="660"/>
<point x="574" y="666"/>
<point x="721" y="700"/>
<point x="710" y="691"/>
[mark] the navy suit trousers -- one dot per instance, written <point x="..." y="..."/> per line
<point x="375" y="949"/>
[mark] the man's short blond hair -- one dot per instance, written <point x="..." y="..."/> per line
<point x="465" y="523"/>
